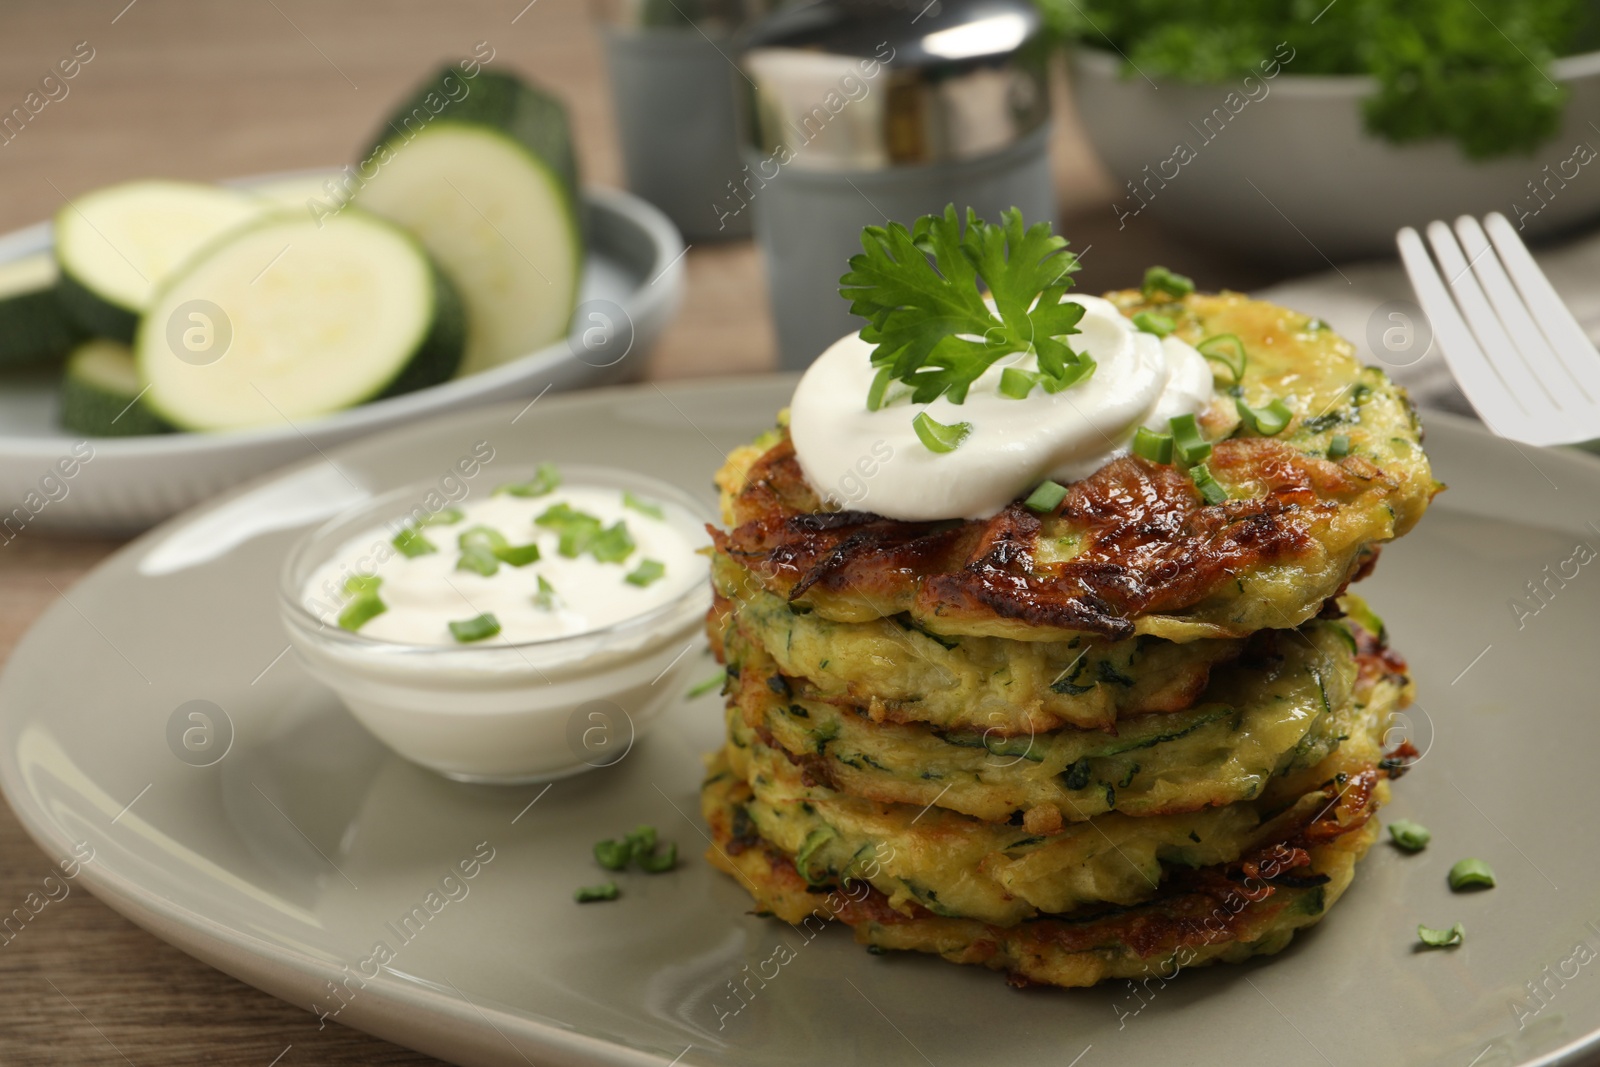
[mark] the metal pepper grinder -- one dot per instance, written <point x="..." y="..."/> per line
<point x="672" y="82"/>
<point x="858" y="112"/>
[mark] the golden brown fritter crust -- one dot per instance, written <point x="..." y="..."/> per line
<point x="1224" y="913"/>
<point x="1133" y="548"/>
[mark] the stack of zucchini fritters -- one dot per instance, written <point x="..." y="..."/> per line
<point x="1135" y="733"/>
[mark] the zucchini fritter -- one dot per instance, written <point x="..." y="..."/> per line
<point x="1133" y="548"/>
<point x="1222" y="914"/>
<point x="1129" y="734"/>
<point x="899" y="673"/>
<point x="1284" y="707"/>
<point x="958" y="867"/>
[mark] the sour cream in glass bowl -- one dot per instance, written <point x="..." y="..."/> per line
<point x="519" y="636"/>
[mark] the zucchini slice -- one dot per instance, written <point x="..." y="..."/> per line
<point x="34" y="327"/>
<point x="116" y="245"/>
<point x="487" y="182"/>
<point x="292" y="193"/>
<point x="101" y="393"/>
<point x="290" y="319"/>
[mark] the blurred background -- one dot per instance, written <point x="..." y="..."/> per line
<point x="1270" y="147"/>
<point x="185" y="88"/>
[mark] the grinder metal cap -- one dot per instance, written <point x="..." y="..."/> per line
<point x="852" y="85"/>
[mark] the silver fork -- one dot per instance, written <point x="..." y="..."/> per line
<point x="1514" y="348"/>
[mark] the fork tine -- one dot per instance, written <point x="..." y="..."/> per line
<point x="1477" y="377"/>
<point x="1531" y="395"/>
<point x="1571" y="404"/>
<point x="1567" y="339"/>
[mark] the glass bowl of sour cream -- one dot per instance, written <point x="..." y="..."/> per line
<point x="517" y="635"/>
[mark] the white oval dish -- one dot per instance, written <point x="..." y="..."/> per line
<point x="126" y="484"/>
<point x="503" y="712"/>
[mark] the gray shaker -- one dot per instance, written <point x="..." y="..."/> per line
<point x="857" y="112"/>
<point x="672" y="84"/>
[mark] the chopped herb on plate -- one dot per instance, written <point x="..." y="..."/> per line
<point x="1411" y="836"/>
<point x="589" y="894"/>
<point x="1471" y="874"/>
<point x="1441" y="938"/>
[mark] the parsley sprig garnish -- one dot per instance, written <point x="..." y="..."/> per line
<point x="922" y="293"/>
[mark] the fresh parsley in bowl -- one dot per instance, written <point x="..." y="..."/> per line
<point x="1477" y="73"/>
<point x="1305" y="132"/>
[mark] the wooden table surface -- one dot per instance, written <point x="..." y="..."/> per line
<point x="204" y="90"/>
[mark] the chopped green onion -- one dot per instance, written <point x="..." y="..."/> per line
<point x="1155" y="447"/>
<point x="546" y="596"/>
<point x="1209" y="487"/>
<point x="1017" y="384"/>
<point x="1212" y="349"/>
<point x="1411" y="836"/>
<point x="362" y="583"/>
<point x="641" y="840"/>
<point x="1441" y="938"/>
<point x="1070" y="375"/>
<point x="410" y="543"/>
<point x="643" y="507"/>
<point x="483" y="547"/>
<point x="362" y="609"/>
<point x="938" y="437"/>
<point x="613" y="544"/>
<point x="1186" y="440"/>
<point x="1267" y="421"/>
<point x="1046" y="498"/>
<point x="1162" y="280"/>
<point x="480" y="550"/>
<point x="648" y="570"/>
<point x="879" y="386"/>
<point x="545" y="480"/>
<point x="1149" y="322"/>
<point x="612" y="855"/>
<point x="519" y="555"/>
<point x="478" y="561"/>
<point x="659" y="862"/>
<point x="442" y="517"/>
<point x="479" y="628"/>
<point x="1471" y="874"/>
<point x="1339" y="446"/>
<point x="590" y="893"/>
<point x="702" y="688"/>
<point x="576" y="529"/>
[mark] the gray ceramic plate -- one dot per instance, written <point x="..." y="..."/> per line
<point x="307" y="844"/>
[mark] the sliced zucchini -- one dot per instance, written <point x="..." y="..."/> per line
<point x="290" y="319"/>
<point x="296" y="193"/>
<point x="101" y="393"/>
<point x="488" y="183"/>
<point x="117" y="245"/>
<point x="34" y="327"/>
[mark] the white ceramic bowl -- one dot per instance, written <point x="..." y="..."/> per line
<point x="503" y="713"/>
<point x="1295" y="179"/>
